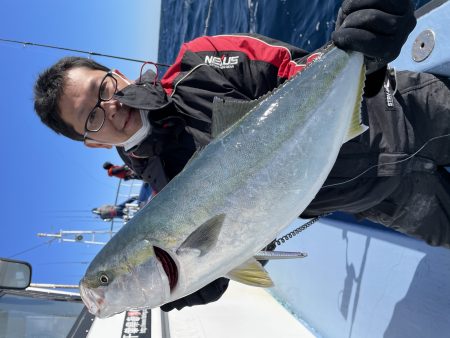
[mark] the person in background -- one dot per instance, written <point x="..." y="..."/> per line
<point x="120" y="171"/>
<point x="157" y="125"/>
<point x="108" y="211"/>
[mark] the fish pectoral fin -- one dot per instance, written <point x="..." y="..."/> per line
<point x="251" y="273"/>
<point x="203" y="238"/>
<point x="271" y="255"/>
<point x="356" y="126"/>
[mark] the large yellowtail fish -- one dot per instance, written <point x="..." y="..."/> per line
<point x="235" y="195"/>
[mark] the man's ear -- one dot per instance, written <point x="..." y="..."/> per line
<point x="91" y="144"/>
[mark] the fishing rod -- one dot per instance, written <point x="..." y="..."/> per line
<point x="24" y="43"/>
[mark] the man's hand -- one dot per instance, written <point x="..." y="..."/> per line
<point x="376" y="28"/>
<point x="209" y="293"/>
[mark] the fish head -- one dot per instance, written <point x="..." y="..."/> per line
<point x="140" y="276"/>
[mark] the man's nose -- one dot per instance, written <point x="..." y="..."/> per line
<point x="110" y="108"/>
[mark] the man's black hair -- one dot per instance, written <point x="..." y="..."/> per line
<point x="49" y="89"/>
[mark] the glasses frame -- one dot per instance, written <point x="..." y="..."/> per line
<point x="98" y="105"/>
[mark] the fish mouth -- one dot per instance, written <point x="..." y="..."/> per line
<point x="169" y="266"/>
<point x="92" y="301"/>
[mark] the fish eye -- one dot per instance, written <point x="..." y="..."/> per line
<point x="104" y="279"/>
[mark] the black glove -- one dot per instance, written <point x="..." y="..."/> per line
<point x="207" y="294"/>
<point x="376" y="28"/>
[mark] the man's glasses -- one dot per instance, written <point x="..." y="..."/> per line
<point x="96" y="118"/>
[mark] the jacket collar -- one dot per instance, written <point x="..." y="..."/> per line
<point x="147" y="94"/>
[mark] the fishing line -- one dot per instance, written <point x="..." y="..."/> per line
<point x="54" y="263"/>
<point x="69" y="219"/>
<point x="87" y="216"/>
<point x="389" y="163"/>
<point x="32" y="248"/>
<point x="24" y="43"/>
<point x="52" y="211"/>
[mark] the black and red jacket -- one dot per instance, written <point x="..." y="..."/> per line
<point x="118" y="171"/>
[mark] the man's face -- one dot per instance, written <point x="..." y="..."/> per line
<point x="79" y="98"/>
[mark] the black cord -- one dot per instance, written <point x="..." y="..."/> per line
<point x="80" y="51"/>
<point x="32" y="248"/>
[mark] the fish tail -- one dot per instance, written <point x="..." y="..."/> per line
<point x="356" y="126"/>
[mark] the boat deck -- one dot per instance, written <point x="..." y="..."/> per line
<point x="243" y="311"/>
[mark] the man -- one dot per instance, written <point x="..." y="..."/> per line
<point x="157" y="126"/>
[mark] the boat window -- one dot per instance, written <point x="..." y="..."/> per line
<point x="26" y="317"/>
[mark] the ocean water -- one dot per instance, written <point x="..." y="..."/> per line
<point x="307" y="24"/>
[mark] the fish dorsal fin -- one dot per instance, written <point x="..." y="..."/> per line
<point x="204" y="237"/>
<point x="356" y="126"/>
<point x="251" y="273"/>
<point x="226" y="112"/>
<point x="271" y="255"/>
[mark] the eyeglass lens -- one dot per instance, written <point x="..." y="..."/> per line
<point x="107" y="88"/>
<point x="106" y="92"/>
<point x="95" y="119"/>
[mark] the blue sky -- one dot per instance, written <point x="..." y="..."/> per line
<point x="49" y="183"/>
